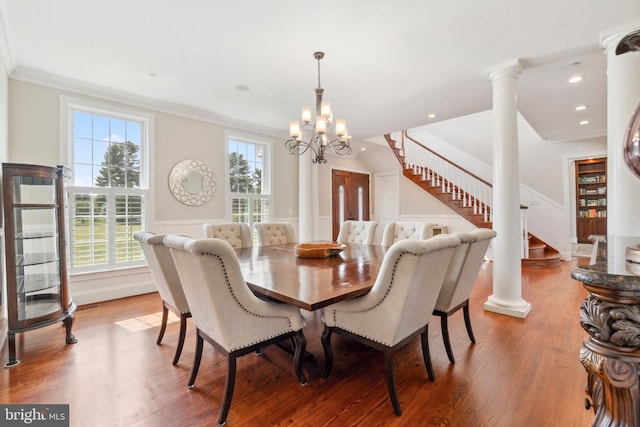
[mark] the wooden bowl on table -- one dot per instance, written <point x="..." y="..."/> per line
<point x="319" y="250"/>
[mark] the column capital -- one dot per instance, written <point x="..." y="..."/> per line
<point x="609" y="39"/>
<point x="509" y="69"/>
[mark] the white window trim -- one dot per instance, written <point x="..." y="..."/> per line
<point x="266" y="173"/>
<point x="67" y="105"/>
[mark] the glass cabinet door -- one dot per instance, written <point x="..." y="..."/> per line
<point x="38" y="285"/>
<point x="35" y="250"/>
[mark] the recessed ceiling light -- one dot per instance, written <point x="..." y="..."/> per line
<point x="242" y="88"/>
<point x="584" y="122"/>
<point x="363" y="149"/>
<point x="581" y="107"/>
<point x="575" y="79"/>
<point x="431" y="116"/>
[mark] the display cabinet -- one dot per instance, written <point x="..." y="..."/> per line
<point x="591" y="198"/>
<point x="35" y="250"/>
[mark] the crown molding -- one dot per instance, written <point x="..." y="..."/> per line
<point x="577" y="136"/>
<point x="66" y="84"/>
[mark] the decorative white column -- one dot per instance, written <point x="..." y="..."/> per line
<point x="507" y="269"/>
<point x="305" y="198"/>
<point x="623" y="95"/>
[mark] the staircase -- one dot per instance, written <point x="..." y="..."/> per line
<point x="462" y="191"/>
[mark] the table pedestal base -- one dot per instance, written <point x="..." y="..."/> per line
<point x="612" y="383"/>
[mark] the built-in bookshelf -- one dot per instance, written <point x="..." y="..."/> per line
<point x="591" y="198"/>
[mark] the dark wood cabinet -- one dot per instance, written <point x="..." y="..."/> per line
<point x="35" y="250"/>
<point x="591" y="198"/>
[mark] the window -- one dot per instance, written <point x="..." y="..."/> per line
<point x="249" y="186"/>
<point x="108" y="195"/>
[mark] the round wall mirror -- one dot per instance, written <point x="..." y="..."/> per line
<point x="192" y="182"/>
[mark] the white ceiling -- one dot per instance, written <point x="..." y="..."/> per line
<point x="388" y="63"/>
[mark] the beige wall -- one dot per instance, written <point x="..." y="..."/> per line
<point x="34" y="123"/>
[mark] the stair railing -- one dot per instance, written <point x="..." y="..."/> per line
<point x="463" y="185"/>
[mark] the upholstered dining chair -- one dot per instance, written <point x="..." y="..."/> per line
<point x="275" y="233"/>
<point x="459" y="280"/>
<point x="165" y="276"/>
<point x="397" y="308"/>
<point x="225" y="311"/>
<point x="357" y="232"/>
<point x="237" y="234"/>
<point x="395" y="231"/>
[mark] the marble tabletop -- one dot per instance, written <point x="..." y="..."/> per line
<point x="612" y="267"/>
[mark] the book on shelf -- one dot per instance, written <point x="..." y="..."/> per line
<point x="592" y="213"/>
<point x="592" y="191"/>
<point x="596" y="179"/>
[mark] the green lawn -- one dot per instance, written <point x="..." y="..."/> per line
<point x="90" y="245"/>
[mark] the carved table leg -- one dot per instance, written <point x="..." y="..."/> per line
<point x="611" y="358"/>
<point x="614" y="388"/>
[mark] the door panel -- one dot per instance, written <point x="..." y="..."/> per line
<point x="350" y="198"/>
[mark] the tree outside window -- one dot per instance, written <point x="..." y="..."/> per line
<point x="248" y="181"/>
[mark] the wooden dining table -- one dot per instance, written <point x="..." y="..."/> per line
<point x="275" y="272"/>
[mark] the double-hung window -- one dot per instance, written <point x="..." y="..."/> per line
<point x="249" y="180"/>
<point x="109" y="193"/>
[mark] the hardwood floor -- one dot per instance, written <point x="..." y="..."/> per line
<point x="521" y="372"/>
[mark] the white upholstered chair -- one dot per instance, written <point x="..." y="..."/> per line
<point x="168" y="284"/>
<point x="225" y="311"/>
<point x="459" y="281"/>
<point x="275" y="233"/>
<point x="397" y="308"/>
<point x="395" y="231"/>
<point x="237" y="234"/>
<point x="357" y="232"/>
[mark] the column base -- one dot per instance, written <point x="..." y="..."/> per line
<point x="519" y="308"/>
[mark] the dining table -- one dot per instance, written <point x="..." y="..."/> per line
<point x="275" y="272"/>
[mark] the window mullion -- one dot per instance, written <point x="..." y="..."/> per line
<point x="111" y="226"/>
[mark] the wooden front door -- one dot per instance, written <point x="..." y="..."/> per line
<point x="350" y="198"/>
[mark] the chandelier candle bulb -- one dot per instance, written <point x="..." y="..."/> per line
<point x="306" y="114"/>
<point x="321" y="126"/>
<point x="294" y="129"/>
<point x="341" y="127"/>
<point x="325" y="109"/>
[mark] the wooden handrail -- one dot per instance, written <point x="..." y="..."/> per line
<point x="404" y="132"/>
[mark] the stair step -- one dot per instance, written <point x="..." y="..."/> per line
<point x="537" y="250"/>
<point x="549" y="260"/>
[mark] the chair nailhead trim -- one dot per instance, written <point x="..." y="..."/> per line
<point x="393" y="274"/>
<point x="226" y="277"/>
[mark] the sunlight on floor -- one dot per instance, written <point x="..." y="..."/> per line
<point x="145" y="322"/>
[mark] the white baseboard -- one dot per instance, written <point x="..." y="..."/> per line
<point x="112" y="292"/>
<point x="108" y="285"/>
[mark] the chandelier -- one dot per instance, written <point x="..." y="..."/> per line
<point x="322" y="135"/>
